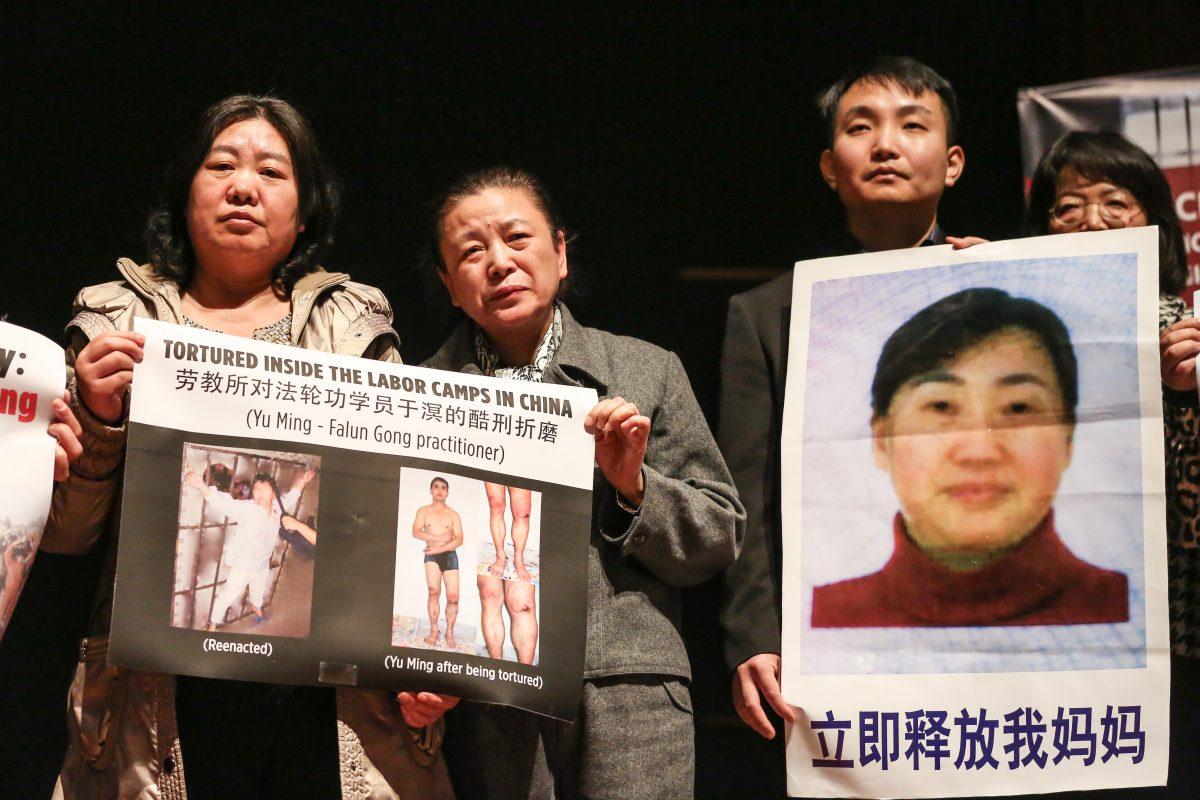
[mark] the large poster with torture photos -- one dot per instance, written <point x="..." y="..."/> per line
<point x="299" y="517"/>
<point x="973" y="518"/>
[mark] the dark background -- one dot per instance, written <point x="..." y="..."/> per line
<point x="680" y="141"/>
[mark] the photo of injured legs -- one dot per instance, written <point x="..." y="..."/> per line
<point x="515" y="590"/>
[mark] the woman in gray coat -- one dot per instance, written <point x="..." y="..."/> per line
<point x="665" y="513"/>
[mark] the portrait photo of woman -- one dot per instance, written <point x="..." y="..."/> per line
<point x="968" y="453"/>
<point x="973" y="416"/>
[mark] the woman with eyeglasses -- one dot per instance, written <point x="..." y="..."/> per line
<point x="1100" y="181"/>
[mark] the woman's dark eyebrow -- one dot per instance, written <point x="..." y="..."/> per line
<point x="1018" y="378"/>
<point x="945" y="376"/>
<point x="262" y="154"/>
<point x="936" y="376"/>
<point x="506" y="224"/>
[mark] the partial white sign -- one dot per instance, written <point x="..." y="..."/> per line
<point x="32" y="374"/>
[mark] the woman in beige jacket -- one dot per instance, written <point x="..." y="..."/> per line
<point x="248" y="212"/>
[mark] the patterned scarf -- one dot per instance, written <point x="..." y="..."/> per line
<point x="489" y="361"/>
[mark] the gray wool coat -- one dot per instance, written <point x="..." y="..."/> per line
<point x="690" y="524"/>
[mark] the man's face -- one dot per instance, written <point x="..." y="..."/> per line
<point x="262" y="492"/>
<point x="438" y="490"/>
<point x="976" y="448"/>
<point x="889" y="147"/>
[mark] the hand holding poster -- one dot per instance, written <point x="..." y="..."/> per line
<point x="296" y="517"/>
<point x="974" y="545"/>
<point x="32" y="375"/>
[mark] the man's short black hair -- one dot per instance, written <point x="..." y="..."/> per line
<point x="445" y="482"/>
<point x="909" y="74"/>
<point x="939" y="332"/>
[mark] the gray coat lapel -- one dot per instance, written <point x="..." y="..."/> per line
<point x="578" y="362"/>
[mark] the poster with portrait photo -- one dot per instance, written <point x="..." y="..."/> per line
<point x="277" y="509"/>
<point x="973" y="495"/>
<point x="32" y="374"/>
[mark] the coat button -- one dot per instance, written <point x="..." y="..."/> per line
<point x="169" y="764"/>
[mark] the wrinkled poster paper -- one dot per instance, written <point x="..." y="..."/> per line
<point x="32" y="374"/>
<point x="1045" y="669"/>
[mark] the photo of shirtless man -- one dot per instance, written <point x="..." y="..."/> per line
<point x="439" y="526"/>
<point x="518" y="596"/>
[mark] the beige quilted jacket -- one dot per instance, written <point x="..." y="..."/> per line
<point x="124" y="741"/>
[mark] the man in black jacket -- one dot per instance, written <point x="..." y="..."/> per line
<point x="892" y="152"/>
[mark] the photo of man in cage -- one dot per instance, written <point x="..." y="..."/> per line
<point x="246" y="541"/>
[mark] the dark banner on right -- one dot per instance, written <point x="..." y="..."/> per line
<point x="1158" y="111"/>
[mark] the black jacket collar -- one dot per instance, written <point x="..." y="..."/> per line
<point x="848" y="245"/>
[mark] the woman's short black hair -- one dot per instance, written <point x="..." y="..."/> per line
<point x="1108" y="156"/>
<point x="909" y="74"/>
<point x="168" y="247"/>
<point x="941" y="331"/>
